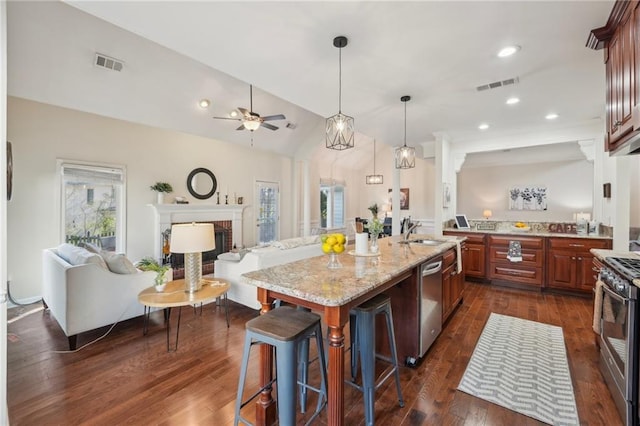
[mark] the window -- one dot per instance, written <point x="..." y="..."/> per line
<point x="93" y="204"/>
<point x="331" y="204"/>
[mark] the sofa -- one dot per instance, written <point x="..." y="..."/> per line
<point x="82" y="291"/>
<point x="231" y="266"/>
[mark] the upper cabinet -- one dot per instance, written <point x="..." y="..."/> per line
<point x="620" y="39"/>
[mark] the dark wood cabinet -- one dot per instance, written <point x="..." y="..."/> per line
<point x="529" y="271"/>
<point x="474" y="259"/>
<point x="620" y="38"/>
<point x="452" y="283"/>
<point x="570" y="263"/>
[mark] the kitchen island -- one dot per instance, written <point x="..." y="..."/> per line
<point x="333" y="293"/>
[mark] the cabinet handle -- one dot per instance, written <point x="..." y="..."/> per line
<point x="452" y="273"/>
<point x="579" y="258"/>
<point x="573" y="258"/>
<point x="576" y="245"/>
<point x="618" y="123"/>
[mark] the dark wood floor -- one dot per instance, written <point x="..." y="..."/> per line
<point x="126" y="378"/>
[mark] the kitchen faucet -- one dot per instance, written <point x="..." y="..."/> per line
<point x="408" y="231"/>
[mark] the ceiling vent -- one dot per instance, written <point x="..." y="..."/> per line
<point x="497" y="84"/>
<point x="291" y="126"/>
<point x="104" y="61"/>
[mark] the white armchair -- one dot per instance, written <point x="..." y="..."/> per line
<point x="88" y="296"/>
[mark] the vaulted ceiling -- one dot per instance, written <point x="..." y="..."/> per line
<point x="437" y="52"/>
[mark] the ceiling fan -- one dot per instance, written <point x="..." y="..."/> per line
<point x="251" y="120"/>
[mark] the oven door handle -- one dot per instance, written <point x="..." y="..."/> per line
<point x="615" y="295"/>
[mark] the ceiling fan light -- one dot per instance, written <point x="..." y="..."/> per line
<point x="405" y="157"/>
<point x="340" y="132"/>
<point x="251" y="125"/>
<point x="204" y="103"/>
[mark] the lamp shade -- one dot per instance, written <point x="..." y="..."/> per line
<point x="192" y="238"/>
<point x="487" y="214"/>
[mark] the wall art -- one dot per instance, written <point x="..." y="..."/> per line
<point x="528" y="198"/>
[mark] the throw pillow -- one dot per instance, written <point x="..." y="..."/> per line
<point x="118" y="263"/>
<point x="229" y="257"/>
<point x="75" y="255"/>
<point x="91" y="247"/>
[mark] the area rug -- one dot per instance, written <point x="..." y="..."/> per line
<point x="522" y="365"/>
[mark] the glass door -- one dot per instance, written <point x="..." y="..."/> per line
<point x="267" y="212"/>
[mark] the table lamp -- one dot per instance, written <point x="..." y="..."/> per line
<point x="487" y="214"/>
<point x="192" y="239"/>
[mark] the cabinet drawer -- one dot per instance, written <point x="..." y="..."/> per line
<point x="525" y="242"/>
<point x="448" y="258"/>
<point x="578" y="244"/>
<point x="532" y="258"/>
<point x="521" y="273"/>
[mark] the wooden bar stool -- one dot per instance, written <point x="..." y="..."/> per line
<point x="363" y="322"/>
<point x="286" y="329"/>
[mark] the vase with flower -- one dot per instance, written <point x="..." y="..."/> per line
<point x="161" y="188"/>
<point x="375" y="228"/>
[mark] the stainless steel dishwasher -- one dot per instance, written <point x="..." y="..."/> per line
<point x="430" y="294"/>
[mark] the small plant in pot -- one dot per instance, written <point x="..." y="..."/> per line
<point x="149" y="264"/>
<point x="161" y="188"/>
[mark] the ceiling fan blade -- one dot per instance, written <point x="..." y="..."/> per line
<point x="241" y="127"/>
<point x="227" y="118"/>
<point x="274" y="117"/>
<point x="269" y="126"/>
<point x="244" y="111"/>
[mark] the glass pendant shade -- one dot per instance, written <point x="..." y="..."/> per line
<point x="340" y="129"/>
<point x="251" y="125"/>
<point x="340" y="132"/>
<point x="374" y="179"/>
<point x="405" y="155"/>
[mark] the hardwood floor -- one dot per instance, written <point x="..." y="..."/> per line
<point x="126" y="378"/>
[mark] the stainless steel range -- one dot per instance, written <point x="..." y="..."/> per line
<point x="619" y="334"/>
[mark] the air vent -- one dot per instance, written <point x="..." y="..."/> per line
<point x="291" y="126"/>
<point x="104" y="61"/>
<point x="497" y="84"/>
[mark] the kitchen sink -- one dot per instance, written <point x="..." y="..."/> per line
<point x="424" y="242"/>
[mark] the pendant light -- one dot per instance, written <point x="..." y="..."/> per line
<point x="374" y="179"/>
<point x="405" y="155"/>
<point x="340" y="130"/>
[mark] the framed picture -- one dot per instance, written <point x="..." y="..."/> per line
<point x="446" y="195"/>
<point x="404" y="198"/>
<point x="462" y="222"/>
<point x="528" y="198"/>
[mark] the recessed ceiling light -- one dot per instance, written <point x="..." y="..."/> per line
<point x="508" y="51"/>
<point x="512" y="101"/>
<point x="233" y="113"/>
<point x="204" y="103"/>
<point x="551" y="116"/>
<point x="483" y="126"/>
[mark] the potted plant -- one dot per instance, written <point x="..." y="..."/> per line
<point x="373" y="208"/>
<point x="161" y="188"/>
<point x="149" y="264"/>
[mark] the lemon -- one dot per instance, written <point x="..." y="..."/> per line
<point x="323" y="238"/>
<point x="326" y="248"/>
<point x="331" y="240"/>
<point x="338" y="248"/>
<point x="341" y="238"/>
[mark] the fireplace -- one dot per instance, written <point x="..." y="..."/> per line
<point x="224" y="243"/>
<point x="227" y="220"/>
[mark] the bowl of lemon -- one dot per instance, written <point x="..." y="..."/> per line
<point x="520" y="227"/>
<point x="333" y="245"/>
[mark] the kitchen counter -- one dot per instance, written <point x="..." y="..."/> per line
<point x="530" y="233"/>
<point x="603" y="254"/>
<point x="309" y="283"/>
<point x="310" y="279"/>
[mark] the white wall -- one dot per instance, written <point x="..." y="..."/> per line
<point x="42" y="133"/>
<point x="569" y="188"/>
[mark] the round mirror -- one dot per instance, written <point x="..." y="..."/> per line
<point x="201" y="183"/>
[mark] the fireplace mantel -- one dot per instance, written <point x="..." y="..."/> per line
<point x="166" y="214"/>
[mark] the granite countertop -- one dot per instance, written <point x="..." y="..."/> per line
<point x="530" y="233"/>
<point x="602" y="254"/>
<point x="311" y="280"/>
